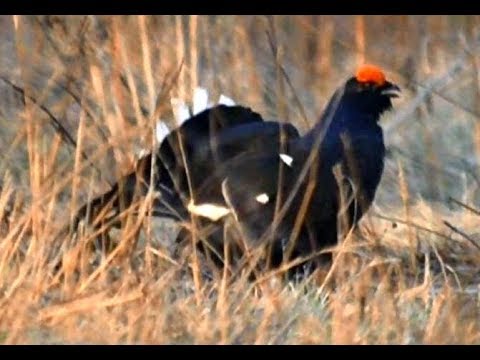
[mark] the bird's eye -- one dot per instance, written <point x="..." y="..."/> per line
<point x="364" y="87"/>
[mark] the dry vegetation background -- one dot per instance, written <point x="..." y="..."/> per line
<point x="80" y="96"/>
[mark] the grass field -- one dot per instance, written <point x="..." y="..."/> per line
<point x="80" y="99"/>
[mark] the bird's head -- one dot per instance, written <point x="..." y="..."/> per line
<point x="369" y="91"/>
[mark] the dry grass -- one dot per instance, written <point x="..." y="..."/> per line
<point x="404" y="277"/>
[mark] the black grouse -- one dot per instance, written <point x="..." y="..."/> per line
<point x="282" y="190"/>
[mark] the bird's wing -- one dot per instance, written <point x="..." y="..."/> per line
<point x="282" y="186"/>
<point x="195" y="152"/>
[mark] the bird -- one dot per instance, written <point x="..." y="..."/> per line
<point x="334" y="169"/>
<point x="282" y="190"/>
<point x="197" y="150"/>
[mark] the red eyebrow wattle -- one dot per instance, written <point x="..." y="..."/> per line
<point x="370" y="73"/>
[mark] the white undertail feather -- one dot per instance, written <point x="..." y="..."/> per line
<point x="287" y="159"/>
<point x="225" y="100"/>
<point x="142" y="152"/>
<point x="210" y="211"/>
<point x="200" y="100"/>
<point x="180" y="110"/>
<point x="161" y="131"/>
<point x="262" y="198"/>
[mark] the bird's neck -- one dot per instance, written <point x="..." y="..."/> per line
<point x="337" y="120"/>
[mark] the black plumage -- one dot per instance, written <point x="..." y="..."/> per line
<point x="282" y="189"/>
<point x="348" y="139"/>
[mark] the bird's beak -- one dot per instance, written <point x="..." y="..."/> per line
<point x="391" y="90"/>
